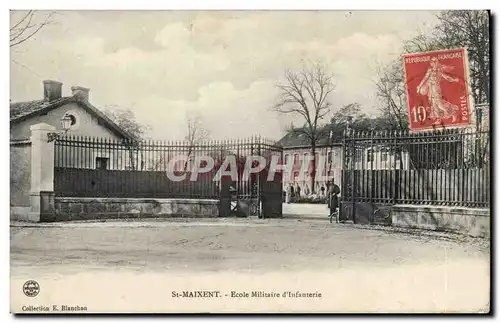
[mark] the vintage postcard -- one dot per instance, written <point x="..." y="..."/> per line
<point x="250" y="161"/>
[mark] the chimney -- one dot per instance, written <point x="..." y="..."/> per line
<point x="51" y="90"/>
<point x="80" y="92"/>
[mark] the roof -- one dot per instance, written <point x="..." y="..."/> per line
<point x="295" y="140"/>
<point x="21" y="111"/>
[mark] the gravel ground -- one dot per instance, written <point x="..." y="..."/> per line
<point x="234" y="244"/>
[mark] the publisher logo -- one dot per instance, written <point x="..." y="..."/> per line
<point x="31" y="288"/>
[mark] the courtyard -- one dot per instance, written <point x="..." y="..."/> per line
<point x="356" y="268"/>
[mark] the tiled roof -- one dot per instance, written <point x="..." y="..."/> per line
<point x="294" y="139"/>
<point x="20" y="109"/>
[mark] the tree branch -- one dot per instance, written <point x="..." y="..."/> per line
<point x="20" y="35"/>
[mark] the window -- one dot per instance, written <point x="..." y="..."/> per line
<point x="306" y="156"/>
<point x="383" y="155"/>
<point x="358" y="155"/>
<point x="75" y="122"/>
<point x="295" y="159"/>
<point x="330" y="157"/>
<point x="73" y="119"/>
<point x="101" y="163"/>
<point x="369" y="155"/>
<point x="287" y="158"/>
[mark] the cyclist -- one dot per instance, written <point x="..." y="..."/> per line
<point x="333" y="200"/>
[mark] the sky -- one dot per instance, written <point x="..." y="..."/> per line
<point x="220" y="65"/>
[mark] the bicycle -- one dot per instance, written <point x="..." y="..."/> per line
<point x="334" y="214"/>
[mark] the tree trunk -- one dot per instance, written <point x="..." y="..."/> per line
<point x="188" y="158"/>
<point x="131" y="157"/>
<point x="313" y="169"/>
<point x="142" y="159"/>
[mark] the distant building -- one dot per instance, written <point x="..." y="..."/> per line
<point x="328" y="161"/>
<point x="380" y="157"/>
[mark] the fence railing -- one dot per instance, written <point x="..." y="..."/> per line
<point x="447" y="167"/>
<point x="101" y="167"/>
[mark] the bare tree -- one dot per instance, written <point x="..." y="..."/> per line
<point x="27" y="26"/>
<point x="470" y="29"/>
<point x="196" y="134"/>
<point x="391" y="93"/>
<point x="390" y="84"/>
<point x="305" y="93"/>
<point x="422" y="43"/>
<point x="359" y="120"/>
<point x="125" y="119"/>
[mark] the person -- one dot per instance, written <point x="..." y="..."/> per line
<point x="307" y="191"/>
<point x="322" y="191"/>
<point x="288" y="193"/>
<point x="333" y="200"/>
<point x="298" y="191"/>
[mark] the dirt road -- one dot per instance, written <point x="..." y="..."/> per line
<point x="257" y="247"/>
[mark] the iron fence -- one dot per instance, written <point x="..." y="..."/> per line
<point x="446" y="167"/>
<point x="102" y="167"/>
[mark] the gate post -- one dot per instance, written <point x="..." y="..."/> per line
<point x="42" y="208"/>
<point x="224" y="197"/>
<point x="348" y="166"/>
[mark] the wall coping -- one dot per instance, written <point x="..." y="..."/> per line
<point x="442" y="208"/>
<point x="42" y="126"/>
<point x="20" y="142"/>
<point x="135" y="200"/>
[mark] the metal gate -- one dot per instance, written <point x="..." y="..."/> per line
<point x="272" y="194"/>
<point x="257" y="196"/>
<point x="271" y="182"/>
<point x="368" y="181"/>
<point x="447" y="167"/>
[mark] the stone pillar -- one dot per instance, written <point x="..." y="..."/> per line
<point x="42" y="174"/>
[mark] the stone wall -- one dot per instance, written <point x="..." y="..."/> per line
<point x="20" y="177"/>
<point x="474" y="222"/>
<point x="71" y="209"/>
<point x="20" y="169"/>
